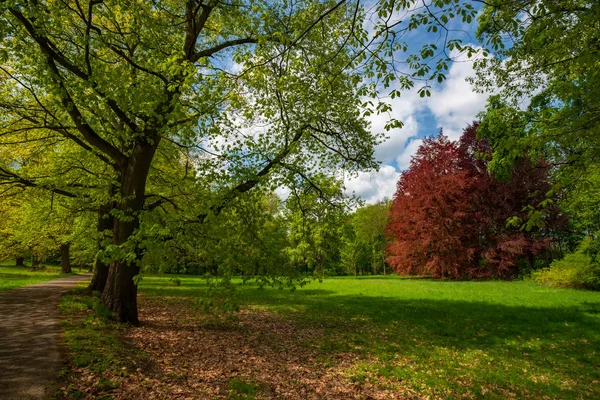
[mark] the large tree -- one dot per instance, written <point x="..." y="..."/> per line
<point x="543" y="67"/>
<point x="117" y="80"/>
<point x="452" y="218"/>
<point x="252" y="92"/>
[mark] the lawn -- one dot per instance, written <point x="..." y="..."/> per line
<point x="12" y="277"/>
<point x="365" y="338"/>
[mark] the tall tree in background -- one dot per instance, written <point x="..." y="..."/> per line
<point x="449" y="216"/>
<point x="369" y="223"/>
<point x="315" y="213"/>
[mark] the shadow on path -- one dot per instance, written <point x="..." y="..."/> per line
<point x="29" y="331"/>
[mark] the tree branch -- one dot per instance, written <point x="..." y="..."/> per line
<point x="230" y="43"/>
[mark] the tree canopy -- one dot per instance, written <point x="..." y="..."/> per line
<point x="452" y="218"/>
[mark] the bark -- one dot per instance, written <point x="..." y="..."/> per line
<point x="20" y="262"/>
<point x="531" y="261"/>
<point x="35" y="262"/>
<point x="105" y="223"/>
<point x="65" y="258"/>
<point x="120" y="293"/>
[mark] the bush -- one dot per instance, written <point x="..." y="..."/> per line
<point x="576" y="270"/>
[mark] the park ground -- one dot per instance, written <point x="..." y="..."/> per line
<point x="343" y="338"/>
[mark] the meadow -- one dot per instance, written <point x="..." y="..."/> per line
<point x="370" y="337"/>
<point x="12" y="277"/>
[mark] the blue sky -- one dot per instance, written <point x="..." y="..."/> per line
<point x="452" y="106"/>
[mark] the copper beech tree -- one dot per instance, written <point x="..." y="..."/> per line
<point x="451" y="218"/>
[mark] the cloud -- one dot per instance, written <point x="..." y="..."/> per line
<point x="411" y="148"/>
<point x="387" y="151"/>
<point x="373" y="186"/>
<point x="454" y="103"/>
<point x="404" y="108"/>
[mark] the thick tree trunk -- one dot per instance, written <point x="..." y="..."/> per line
<point x="35" y="262"/>
<point x="65" y="258"/>
<point x="120" y="293"/>
<point x="105" y="223"/>
<point x="20" y="262"/>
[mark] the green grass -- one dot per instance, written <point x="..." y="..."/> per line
<point x="492" y="340"/>
<point x="242" y="390"/>
<point x="94" y="344"/>
<point x="12" y="277"/>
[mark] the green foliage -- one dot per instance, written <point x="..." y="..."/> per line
<point x="368" y="224"/>
<point x="580" y="269"/>
<point x="213" y="307"/>
<point x="547" y="82"/>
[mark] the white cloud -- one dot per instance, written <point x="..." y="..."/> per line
<point x="373" y="186"/>
<point x="404" y="108"/>
<point x="454" y="103"/>
<point x="387" y="151"/>
<point x="411" y="148"/>
<point x="283" y="192"/>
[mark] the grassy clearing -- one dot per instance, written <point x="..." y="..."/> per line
<point x="375" y="336"/>
<point x="12" y="277"/>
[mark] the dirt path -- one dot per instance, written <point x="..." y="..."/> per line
<point x="29" y="331"/>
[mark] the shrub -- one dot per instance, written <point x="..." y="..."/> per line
<point x="576" y="270"/>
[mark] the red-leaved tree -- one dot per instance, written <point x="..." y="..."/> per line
<point x="449" y="215"/>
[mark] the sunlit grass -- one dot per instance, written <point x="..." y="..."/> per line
<point x="446" y="339"/>
<point x="12" y="277"/>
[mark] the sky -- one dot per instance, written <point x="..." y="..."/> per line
<point x="453" y="105"/>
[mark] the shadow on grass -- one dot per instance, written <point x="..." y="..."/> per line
<point x="490" y="344"/>
<point x="462" y="324"/>
<point x="540" y="348"/>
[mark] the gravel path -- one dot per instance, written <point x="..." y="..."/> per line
<point x="29" y="332"/>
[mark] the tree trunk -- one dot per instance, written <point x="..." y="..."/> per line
<point x="35" y="262"/>
<point x="65" y="258"/>
<point x="20" y="262"/>
<point x="531" y="261"/>
<point x="120" y="292"/>
<point x="105" y="223"/>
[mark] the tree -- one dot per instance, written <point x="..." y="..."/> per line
<point x="452" y="218"/>
<point x="352" y="249"/>
<point x="369" y="224"/>
<point x="80" y="75"/>
<point x="545" y="71"/>
<point x="10" y="247"/>
<point x="315" y="213"/>
<point x="41" y="225"/>
<point x="254" y="92"/>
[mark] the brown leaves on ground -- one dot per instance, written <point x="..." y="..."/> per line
<point x="257" y="355"/>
